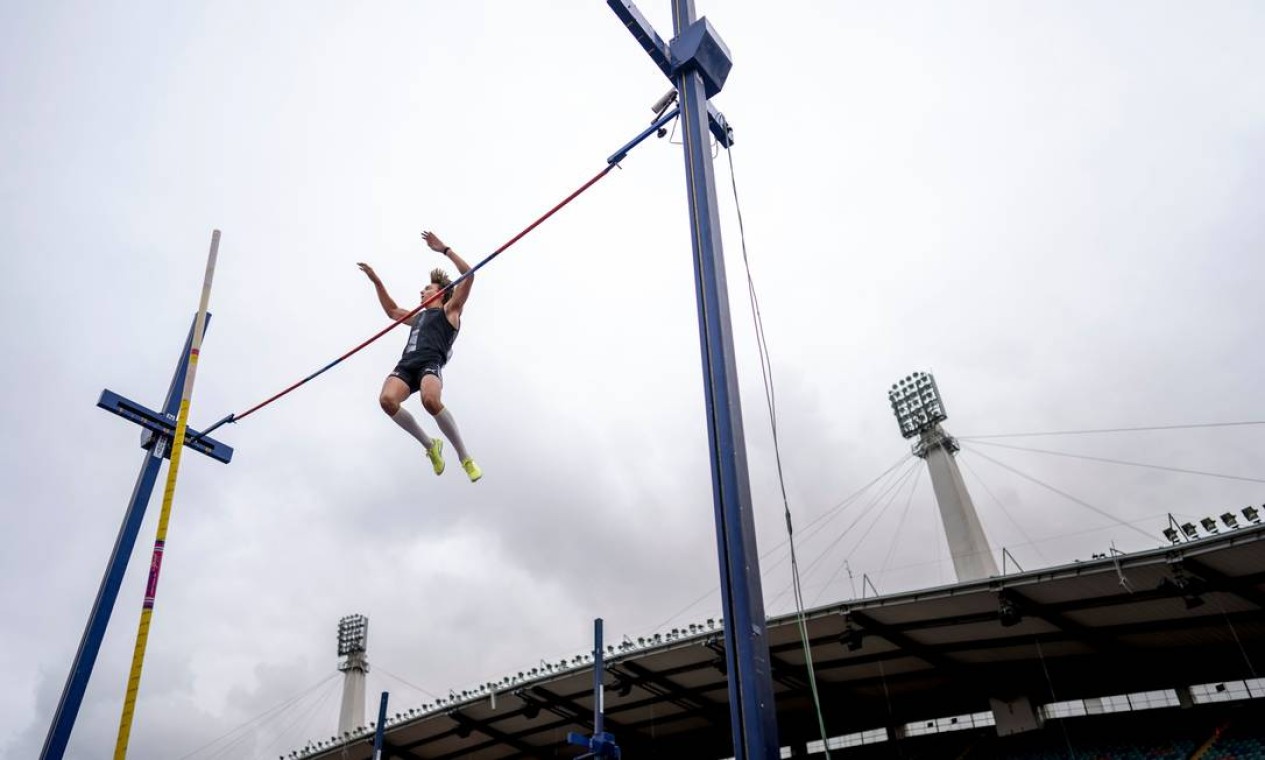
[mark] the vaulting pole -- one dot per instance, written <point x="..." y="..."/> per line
<point x="177" y="446"/>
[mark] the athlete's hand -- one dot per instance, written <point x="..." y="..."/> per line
<point x="368" y="270"/>
<point x="434" y="242"/>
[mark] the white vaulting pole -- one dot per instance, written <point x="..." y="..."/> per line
<point x="155" y="565"/>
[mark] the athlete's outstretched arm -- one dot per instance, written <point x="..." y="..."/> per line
<point x="462" y="291"/>
<point x="388" y="304"/>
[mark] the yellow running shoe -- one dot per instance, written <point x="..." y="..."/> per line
<point x="436" y="454"/>
<point x="472" y="469"/>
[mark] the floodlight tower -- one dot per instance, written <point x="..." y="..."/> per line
<point x="353" y="640"/>
<point x="919" y="412"/>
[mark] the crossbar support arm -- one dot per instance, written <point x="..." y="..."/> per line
<point x="160" y="425"/>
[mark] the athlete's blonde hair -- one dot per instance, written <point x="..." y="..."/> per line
<point x="441" y="278"/>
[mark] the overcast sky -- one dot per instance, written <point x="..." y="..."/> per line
<point x="1054" y="206"/>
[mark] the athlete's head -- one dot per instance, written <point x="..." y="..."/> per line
<point x="438" y="281"/>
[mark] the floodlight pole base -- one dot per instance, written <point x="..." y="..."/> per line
<point x="351" y="714"/>
<point x="972" y="555"/>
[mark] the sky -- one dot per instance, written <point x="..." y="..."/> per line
<point x="1053" y="206"/>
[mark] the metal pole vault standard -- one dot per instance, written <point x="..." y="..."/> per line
<point x="159" y="431"/>
<point x="379" y="733"/>
<point x="698" y="62"/>
<point x="151" y="589"/>
<point x="601" y="745"/>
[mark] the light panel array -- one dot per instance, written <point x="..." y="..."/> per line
<point x="353" y="635"/>
<point x="916" y="402"/>
<point x="1190" y="531"/>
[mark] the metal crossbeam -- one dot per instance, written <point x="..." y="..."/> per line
<point x="389" y="751"/>
<point x="645" y="35"/>
<point x="1218" y="581"/>
<point x="661" y="53"/>
<point x="503" y="738"/>
<point x="572" y="710"/>
<point x="161" y="425"/>
<point x="1091" y="636"/>
<point x="676" y="694"/>
<point x="923" y="652"/>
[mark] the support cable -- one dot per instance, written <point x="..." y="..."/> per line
<point x="1054" y="698"/>
<point x="900" y="526"/>
<point x="891" y="493"/>
<point x="820" y="521"/>
<point x="1247" y="660"/>
<point x="1113" y="430"/>
<point x="1064" y="494"/>
<point x="815" y="526"/>
<point x="265" y="715"/>
<point x="415" y="687"/>
<point x="298" y="727"/>
<point x="1122" y="462"/>
<point x="766" y="370"/>
<point x="249" y="742"/>
<point x="1001" y="505"/>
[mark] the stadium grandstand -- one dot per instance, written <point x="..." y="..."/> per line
<point x="1151" y="654"/>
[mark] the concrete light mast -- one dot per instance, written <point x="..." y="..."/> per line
<point x="353" y="640"/>
<point x="919" y="412"/>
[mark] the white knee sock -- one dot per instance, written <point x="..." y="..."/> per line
<point x="449" y="427"/>
<point x="406" y="421"/>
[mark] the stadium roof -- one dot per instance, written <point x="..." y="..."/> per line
<point x="1185" y="614"/>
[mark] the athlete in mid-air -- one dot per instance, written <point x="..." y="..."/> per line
<point x="434" y="329"/>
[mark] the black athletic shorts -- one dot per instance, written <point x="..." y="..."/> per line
<point x="413" y="367"/>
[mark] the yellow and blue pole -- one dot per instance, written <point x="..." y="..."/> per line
<point x="177" y="446"/>
<point x="157" y="446"/>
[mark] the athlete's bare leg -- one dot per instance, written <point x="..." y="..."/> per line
<point x="394" y="392"/>
<point x="432" y="389"/>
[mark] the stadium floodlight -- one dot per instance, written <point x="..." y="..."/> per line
<point x="1209" y="524"/>
<point x="1174" y="531"/>
<point x="852" y="638"/>
<point x="1230" y="520"/>
<point x="1190" y="530"/>
<point x="1007" y="611"/>
<point x="1252" y="514"/>
<point x="353" y="635"/>
<point x="916" y="402"/>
